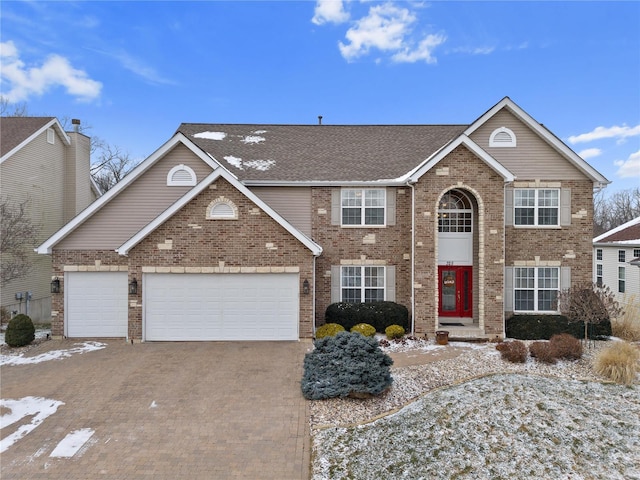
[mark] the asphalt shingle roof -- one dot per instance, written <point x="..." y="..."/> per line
<point x="302" y="153"/>
<point x="15" y="130"/>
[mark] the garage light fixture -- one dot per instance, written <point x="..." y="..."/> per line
<point x="55" y="285"/>
<point x="305" y="287"/>
<point x="133" y="287"/>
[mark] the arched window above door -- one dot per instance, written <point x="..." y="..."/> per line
<point x="455" y="213"/>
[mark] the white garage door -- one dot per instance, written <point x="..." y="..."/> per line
<point x="242" y="306"/>
<point x="96" y="304"/>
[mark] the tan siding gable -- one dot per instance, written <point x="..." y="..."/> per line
<point x="293" y="203"/>
<point x="117" y="221"/>
<point x="532" y="158"/>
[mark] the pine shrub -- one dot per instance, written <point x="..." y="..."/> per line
<point x="328" y="330"/>
<point x="565" y="347"/>
<point x="364" y="329"/>
<point x="541" y="351"/>
<point x="20" y="331"/>
<point x="515" y="351"/>
<point x="618" y="362"/>
<point x="394" y="331"/>
<point x="347" y="364"/>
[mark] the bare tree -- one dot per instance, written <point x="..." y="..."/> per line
<point x="111" y="166"/>
<point x="8" y="109"/>
<point x="588" y="303"/>
<point x="18" y="237"/>
<point x="613" y="211"/>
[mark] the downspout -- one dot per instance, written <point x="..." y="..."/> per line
<point x="411" y="184"/>
<point x="313" y="298"/>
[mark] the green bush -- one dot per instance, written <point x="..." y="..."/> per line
<point x="328" y="330"/>
<point x="394" y="331"/>
<point x="543" y="327"/>
<point x="347" y="364"/>
<point x="365" y="329"/>
<point x="378" y="314"/>
<point x="20" y="331"/>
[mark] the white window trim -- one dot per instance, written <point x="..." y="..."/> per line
<point x="51" y="136"/>
<point x="181" y="183"/>
<point x="363" y="208"/>
<point x="535" y="289"/>
<point x="362" y="286"/>
<point x="497" y="144"/>
<point x="622" y="280"/>
<point x="536" y="207"/>
<point x="210" y="215"/>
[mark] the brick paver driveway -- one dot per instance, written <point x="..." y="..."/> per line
<point x="164" y="410"/>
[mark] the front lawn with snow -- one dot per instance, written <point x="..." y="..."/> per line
<point x="504" y="426"/>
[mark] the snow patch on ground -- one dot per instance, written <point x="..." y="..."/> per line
<point x="499" y="426"/>
<point x="38" y="407"/>
<point x="73" y="442"/>
<point x="211" y="135"/>
<point x="52" y="355"/>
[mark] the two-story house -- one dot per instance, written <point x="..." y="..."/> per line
<point x="47" y="168"/>
<point x="232" y="232"/>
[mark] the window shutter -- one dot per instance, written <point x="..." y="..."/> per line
<point x="508" y="289"/>
<point x="335" y="283"/>
<point x="336" y="209"/>
<point x="391" y="206"/>
<point x="508" y="207"/>
<point x="565" y="206"/>
<point x="390" y="283"/>
<point x="565" y="278"/>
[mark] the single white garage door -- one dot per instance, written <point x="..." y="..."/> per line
<point x="96" y="304"/>
<point x="243" y="306"/>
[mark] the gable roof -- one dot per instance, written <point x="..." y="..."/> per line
<point x="544" y="133"/>
<point x="16" y="132"/>
<point x="262" y="154"/>
<point x="219" y="172"/>
<point x="627" y="233"/>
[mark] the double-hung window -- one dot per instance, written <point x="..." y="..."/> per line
<point x="536" y="288"/>
<point x="360" y="284"/>
<point x="599" y="274"/>
<point x="622" y="257"/>
<point x="537" y="207"/>
<point x="621" y="280"/>
<point x="363" y="207"/>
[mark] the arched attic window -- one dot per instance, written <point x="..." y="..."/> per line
<point x="222" y="209"/>
<point x="181" y="176"/>
<point x="502" y="137"/>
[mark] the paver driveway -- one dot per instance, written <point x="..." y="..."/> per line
<point x="165" y="410"/>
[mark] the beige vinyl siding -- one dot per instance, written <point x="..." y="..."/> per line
<point x="36" y="172"/>
<point x="78" y="195"/>
<point x="532" y="158"/>
<point x="116" y="221"/>
<point x="293" y="203"/>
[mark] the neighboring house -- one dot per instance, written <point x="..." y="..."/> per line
<point x="231" y="232"/>
<point x="49" y="167"/>
<point x="616" y="261"/>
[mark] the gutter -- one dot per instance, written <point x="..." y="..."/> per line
<point x="411" y="185"/>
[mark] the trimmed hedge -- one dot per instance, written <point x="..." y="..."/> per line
<point x="543" y="327"/>
<point x="380" y="315"/>
<point x="365" y="329"/>
<point x="20" y="331"/>
<point x="328" y="330"/>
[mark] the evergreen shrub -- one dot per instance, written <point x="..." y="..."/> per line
<point x="20" y="331"/>
<point x="347" y="364"/>
<point x="543" y="327"/>
<point x="364" y="328"/>
<point x="328" y="330"/>
<point x="394" y="331"/>
<point x="378" y="314"/>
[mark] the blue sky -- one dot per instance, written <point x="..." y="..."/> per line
<point x="134" y="71"/>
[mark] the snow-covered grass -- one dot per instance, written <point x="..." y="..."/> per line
<point x="78" y="348"/>
<point x="509" y="426"/>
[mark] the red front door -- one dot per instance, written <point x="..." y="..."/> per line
<point x="455" y="291"/>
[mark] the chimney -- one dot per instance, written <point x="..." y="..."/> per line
<point x="319" y="119"/>
<point x="76" y="124"/>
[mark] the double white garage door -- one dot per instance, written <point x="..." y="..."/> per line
<point x="186" y="307"/>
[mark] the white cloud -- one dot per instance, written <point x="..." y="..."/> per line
<point x="388" y="28"/>
<point x="329" y="11"/>
<point x="590" y="153"/>
<point x="630" y="167"/>
<point x="606" y="132"/>
<point x="139" y="68"/>
<point x="20" y="82"/>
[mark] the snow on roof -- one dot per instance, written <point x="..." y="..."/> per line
<point x="211" y="135"/>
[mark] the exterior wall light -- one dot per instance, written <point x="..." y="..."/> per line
<point x="133" y="287"/>
<point x="305" y="287"/>
<point x="55" y="285"/>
